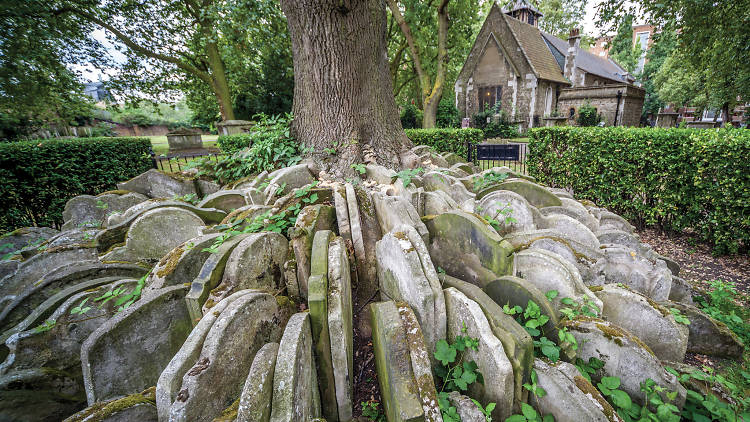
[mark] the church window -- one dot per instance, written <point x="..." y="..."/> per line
<point x="531" y="18"/>
<point x="489" y="96"/>
<point x="572" y="113"/>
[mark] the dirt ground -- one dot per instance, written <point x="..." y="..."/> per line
<point x="697" y="265"/>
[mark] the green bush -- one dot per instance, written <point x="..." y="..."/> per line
<point x="266" y="128"/>
<point x="674" y="179"/>
<point x="447" y="114"/>
<point x="445" y="140"/>
<point x="587" y="116"/>
<point x="39" y="177"/>
<point x="269" y="147"/>
<point x="411" y="117"/>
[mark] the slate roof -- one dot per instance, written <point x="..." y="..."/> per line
<point x="590" y="63"/>
<point x="536" y="50"/>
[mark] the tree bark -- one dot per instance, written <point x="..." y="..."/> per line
<point x="343" y="94"/>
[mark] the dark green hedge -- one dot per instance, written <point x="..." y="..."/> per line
<point x="675" y="179"/>
<point x="445" y="140"/>
<point x="233" y="143"/>
<point x="39" y="177"/>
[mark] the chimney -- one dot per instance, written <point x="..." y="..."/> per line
<point x="574" y="42"/>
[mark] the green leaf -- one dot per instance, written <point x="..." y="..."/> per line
<point x="444" y="352"/>
<point x="611" y="382"/>
<point x="621" y="399"/>
<point x="528" y="411"/>
<point x="551" y="294"/>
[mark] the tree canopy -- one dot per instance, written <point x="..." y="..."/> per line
<point x="713" y="43"/>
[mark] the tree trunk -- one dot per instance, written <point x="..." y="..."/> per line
<point x="343" y="95"/>
<point x="219" y="81"/>
<point x="726" y="117"/>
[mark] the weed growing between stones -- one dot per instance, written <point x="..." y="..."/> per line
<point x="190" y="198"/>
<point x="370" y="411"/>
<point x="267" y="222"/>
<point x="488" y="179"/>
<point x="408" y="174"/>
<point x="528" y="413"/>
<point x="457" y="374"/>
<point x="532" y="320"/>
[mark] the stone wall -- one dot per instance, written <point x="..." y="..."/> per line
<point x="604" y="98"/>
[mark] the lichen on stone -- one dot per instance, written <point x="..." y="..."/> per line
<point x="615" y="334"/>
<point x="229" y="414"/>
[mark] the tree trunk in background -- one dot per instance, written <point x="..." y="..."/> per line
<point x="343" y="94"/>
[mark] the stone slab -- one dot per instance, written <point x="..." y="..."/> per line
<point x="113" y="356"/>
<point x="467" y="248"/>
<point x="218" y="376"/>
<point x="398" y="387"/>
<point x="464" y="313"/>
<point x="256" y="397"/>
<point x="341" y="327"/>
<point x="295" y="392"/>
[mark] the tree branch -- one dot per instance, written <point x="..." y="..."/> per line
<point x="414" y="51"/>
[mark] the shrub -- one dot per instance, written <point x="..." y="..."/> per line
<point x="270" y="147"/>
<point x="500" y="130"/>
<point x="411" y="117"/>
<point x="587" y="115"/>
<point x="445" y="140"/>
<point x="39" y="177"/>
<point x="135" y="118"/>
<point x="266" y="128"/>
<point x="447" y="115"/>
<point x="672" y="178"/>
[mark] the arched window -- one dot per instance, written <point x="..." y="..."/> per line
<point x="572" y="113"/>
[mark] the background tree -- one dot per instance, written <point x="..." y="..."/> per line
<point x="664" y="43"/>
<point x="428" y="42"/>
<point x="560" y="16"/>
<point x="623" y="51"/>
<point x="713" y="39"/>
<point x="343" y="95"/>
<point x="36" y="86"/>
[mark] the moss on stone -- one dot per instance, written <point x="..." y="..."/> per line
<point x="596" y="288"/>
<point x="89" y="245"/>
<point x="101" y="411"/>
<point x="169" y="262"/>
<point x="664" y="311"/>
<point x="580" y="257"/>
<point x="229" y="414"/>
<point x="588" y="389"/>
<point x="615" y="334"/>
<point x="111" y="248"/>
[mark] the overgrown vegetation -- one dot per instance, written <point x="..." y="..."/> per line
<point x="39" y="177"/>
<point x="674" y="179"/>
<point x="269" y="147"/>
<point x="457" y="374"/>
<point x="588" y="115"/>
<point x="495" y="127"/>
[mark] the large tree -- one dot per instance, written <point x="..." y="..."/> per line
<point x="713" y="39"/>
<point x="343" y="95"/>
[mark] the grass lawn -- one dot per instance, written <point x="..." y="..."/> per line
<point x="160" y="146"/>
<point x="505" y="140"/>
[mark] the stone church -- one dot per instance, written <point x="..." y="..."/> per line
<point x="532" y="74"/>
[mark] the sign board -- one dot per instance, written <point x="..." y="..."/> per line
<point x="498" y="152"/>
<point x="465" y="123"/>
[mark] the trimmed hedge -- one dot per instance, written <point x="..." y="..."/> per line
<point x="673" y="178"/>
<point x="445" y="140"/>
<point x="39" y="177"/>
<point x="233" y="143"/>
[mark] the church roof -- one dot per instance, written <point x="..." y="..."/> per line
<point x="536" y="51"/>
<point x="590" y="63"/>
<point x="520" y="4"/>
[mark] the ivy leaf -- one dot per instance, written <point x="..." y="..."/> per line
<point x="611" y="382"/>
<point x="621" y="399"/>
<point x="528" y="411"/>
<point x="552" y="294"/>
<point x="444" y="352"/>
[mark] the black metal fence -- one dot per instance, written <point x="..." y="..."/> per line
<point x="486" y="155"/>
<point x="178" y="163"/>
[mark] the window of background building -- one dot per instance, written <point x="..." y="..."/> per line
<point x="489" y="95"/>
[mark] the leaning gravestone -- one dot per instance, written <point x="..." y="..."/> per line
<point x="398" y="387"/>
<point x="295" y="396"/>
<point x="464" y="314"/>
<point x="340" y="326"/>
<point x="92" y="211"/>
<point x="156" y="184"/>
<point x="170" y="380"/>
<point x="255" y="400"/>
<point x="156" y="232"/>
<point x="217" y="377"/>
<point x="128" y="352"/>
